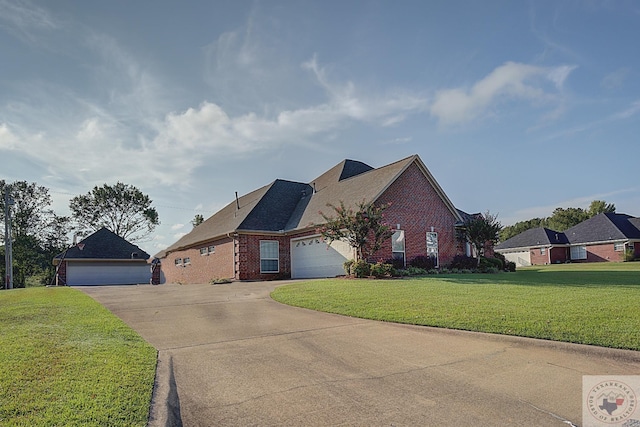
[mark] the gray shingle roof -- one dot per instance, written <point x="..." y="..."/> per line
<point x="602" y="228"/>
<point x="104" y="244"/>
<point x="290" y="206"/>
<point x="534" y="237"/>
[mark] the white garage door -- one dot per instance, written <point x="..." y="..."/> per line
<point x="107" y="273"/>
<point x="522" y="259"/>
<point x="311" y="257"/>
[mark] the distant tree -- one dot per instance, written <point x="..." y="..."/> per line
<point x="197" y="220"/>
<point x="522" y="226"/>
<point x="364" y="229"/>
<point x="482" y="231"/>
<point x="600" y="206"/>
<point x="563" y="219"/>
<point x="121" y="208"/>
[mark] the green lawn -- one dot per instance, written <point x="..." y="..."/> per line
<point x="66" y="360"/>
<point x="596" y="304"/>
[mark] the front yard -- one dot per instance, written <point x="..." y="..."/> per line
<point x="66" y="360"/>
<point x="595" y="304"/>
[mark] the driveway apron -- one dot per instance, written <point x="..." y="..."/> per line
<point x="231" y="356"/>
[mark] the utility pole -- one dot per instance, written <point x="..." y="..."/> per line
<point x="8" y="246"/>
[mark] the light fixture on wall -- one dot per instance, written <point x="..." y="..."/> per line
<point x="432" y="228"/>
<point x="398" y="226"/>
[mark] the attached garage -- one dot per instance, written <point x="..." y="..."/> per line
<point x="102" y="258"/>
<point x="520" y="258"/>
<point x="107" y="273"/>
<point x="311" y="257"/>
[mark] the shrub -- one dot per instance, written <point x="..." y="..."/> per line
<point x="510" y="266"/>
<point x="360" y="268"/>
<point x="347" y="266"/>
<point x="422" y="261"/>
<point x="463" y="262"/>
<point x="398" y="264"/>
<point x="382" y="270"/>
<point x="412" y="271"/>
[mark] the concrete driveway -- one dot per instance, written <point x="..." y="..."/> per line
<point x="231" y="356"/>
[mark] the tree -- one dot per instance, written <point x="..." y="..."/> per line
<point x="563" y="219"/>
<point x="121" y="208"/>
<point x="519" y="227"/>
<point x="197" y="220"/>
<point x="482" y="231"/>
<point x="38" y="234"/>
<point x="600" y="206"/>
<point x="364" y="229"/>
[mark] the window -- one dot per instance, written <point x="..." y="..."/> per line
<point x="397" y="246"/>
<point x="212" y="249"/>
<point x="618" y="247"/>
<point x="269" y="256"/>
<point x="543" y="251"/>
<point x="178" y="261"/>
<point x="578" y="252"/>
<point x="204" y="251"/>
<point x="186" y="261"/>
<point x="432" y="247"/>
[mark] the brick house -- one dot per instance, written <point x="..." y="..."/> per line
<point x="604" y="237"/>
<point x="271" y="232"/>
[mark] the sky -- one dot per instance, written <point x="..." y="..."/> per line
<point x="515" y="107"/>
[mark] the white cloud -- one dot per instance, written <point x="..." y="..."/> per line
<point x="616" y="78"/>
<point x="508" y="81"/>
<point x="8" y="141"/>
<point x="24" y="20"/>
<point x="175" y="227"/>
<point x="633" y="109"/>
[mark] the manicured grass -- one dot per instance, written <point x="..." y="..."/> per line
<point x="66" y="360"/>
<point x="596" y="304"/>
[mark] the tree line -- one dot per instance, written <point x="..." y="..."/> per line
<point x="38" y="234"/>
<point x="560" y="220"/>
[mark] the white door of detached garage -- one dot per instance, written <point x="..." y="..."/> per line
<point x="311" y="257"/>
<point x="107" y="273"/>
<point x="522" y="259"/>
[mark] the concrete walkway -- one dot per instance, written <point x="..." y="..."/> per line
<point x="231" y="356"/>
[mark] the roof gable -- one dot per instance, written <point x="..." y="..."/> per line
<point x="104" y="244"/>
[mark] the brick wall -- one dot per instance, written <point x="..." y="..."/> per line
<point x="202" y="268"/>
<point x="416" y="206"/>
<point x="537" y="257"/>
<point x="248" y="260"/>
<point x="606" y="252"/>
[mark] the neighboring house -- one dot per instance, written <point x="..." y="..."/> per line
<point x="103" y="258"/>
<point x="271" y="232"/>
<point x="604" y="237"/>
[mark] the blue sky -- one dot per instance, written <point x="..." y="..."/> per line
<point x="516" y="107"/>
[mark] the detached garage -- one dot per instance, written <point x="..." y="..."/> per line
<point x="311" y="257"/>
<point x="103" y="258"/>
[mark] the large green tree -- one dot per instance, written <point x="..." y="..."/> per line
<point x="121" y="208"/>
<point x="363" y="228"/>
<point x="38" y="234"/>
